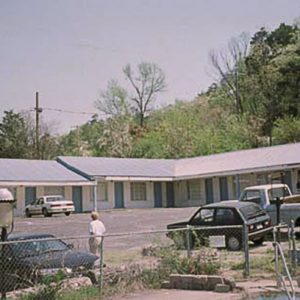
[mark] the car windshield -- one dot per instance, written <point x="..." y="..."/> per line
<point x="54" y="199"/>
<point x="34" y="248"/>
<point x="278" y="193"/>
<point x="251" y="211"/>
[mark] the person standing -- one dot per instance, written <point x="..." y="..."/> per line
<point x="96" y="230"/>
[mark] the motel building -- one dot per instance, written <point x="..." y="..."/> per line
<point x="108" y="183"/>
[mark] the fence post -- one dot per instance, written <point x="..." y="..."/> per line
<point x="101" y="266"/>
<point x="188" y="241"/>
<point x="275" y="236"/>
<point x="294" y="253"/>
<point x="246" y="251"/>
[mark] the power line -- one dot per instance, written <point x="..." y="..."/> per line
<point x="69" y="111"/>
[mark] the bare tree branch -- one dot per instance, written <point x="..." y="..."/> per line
<point x="149" y="81"/>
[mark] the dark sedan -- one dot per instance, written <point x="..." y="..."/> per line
<point x="211" y="221"/>
<point x="31" y="257"/>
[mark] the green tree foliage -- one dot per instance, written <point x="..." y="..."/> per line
<point x="14" y="139"/>
<point x="268" y="81"/>
<point x="18" y="138"/>
<point x="113" y="101"/>
<point x="84" y="140"/>
<point x="145" y="83"/>
<point x="287" y="130"/>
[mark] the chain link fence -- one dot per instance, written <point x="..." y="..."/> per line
<point x="47" y="267"/>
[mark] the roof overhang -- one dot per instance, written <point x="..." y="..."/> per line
<point x="137" y="178"/>
<point x="239" y="172"/>
<point x="46" y="183"/>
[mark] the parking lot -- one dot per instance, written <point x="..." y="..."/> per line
<point x="116" y="222"/>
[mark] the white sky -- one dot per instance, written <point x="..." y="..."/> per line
<point x="69" y="49"/>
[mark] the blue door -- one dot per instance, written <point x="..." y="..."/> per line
<point x="209" y="190"/>
<point x="77" y="198"/>
<point x="157" y="194"/>
<point x="30" y="194"/>
<point x="223" y="188"/>
<point x="170" y="195"/>
<point x="119" y="195"/>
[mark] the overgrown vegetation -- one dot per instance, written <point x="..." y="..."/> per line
<point x="135" y="276"/>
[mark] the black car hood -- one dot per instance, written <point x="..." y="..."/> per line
<point x="59" y="259"/>
<point x="178" y="225"/>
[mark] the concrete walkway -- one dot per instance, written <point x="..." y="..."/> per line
<point x="245" y="290"/>
<point x="179" y="295"/>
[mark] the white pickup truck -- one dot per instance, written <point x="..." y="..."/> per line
<point x="264" y="195"/>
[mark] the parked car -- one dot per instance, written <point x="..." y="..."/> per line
<point x="33" y="256"/>
<point x="209" y="220"/>
<point x="49" y="205"/>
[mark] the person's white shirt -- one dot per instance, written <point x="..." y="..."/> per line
<point x="96" y="227"/>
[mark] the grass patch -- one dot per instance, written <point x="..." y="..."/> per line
<point x="117" y="257"/>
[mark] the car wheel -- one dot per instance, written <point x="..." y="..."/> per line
<point x="67" y="213"/>
<point x="45" y="213"/>
<point x="233" y="243"/>
<point x="259" y="242"/>
<point x="27" y="213"/>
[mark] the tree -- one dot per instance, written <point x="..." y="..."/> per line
<point x="113" y="101"/>
<point x="273" y="71"/>
<point x="14" y="139"/>
<point x="149" y="81"/>
<point x="146" y="82"/>
<point x="229" y="66"/>
<point x="116" y="140"/>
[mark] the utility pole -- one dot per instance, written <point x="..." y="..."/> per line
<point x="38" y="110"/>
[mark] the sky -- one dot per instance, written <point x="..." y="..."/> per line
<point x="68" y="50"/>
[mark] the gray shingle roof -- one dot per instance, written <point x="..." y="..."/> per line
<point x="36" y="171"/>
<point x="283" y="156"/>
<point x="240" y="161"/>
<point x="108" y="166"/>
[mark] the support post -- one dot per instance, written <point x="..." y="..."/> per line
<point x="246" y="251"/>
<point x="188" y="241"/>
<point x="95" y="196"/>
<point x="38" y="110"/>
<point x="101" y="267"/>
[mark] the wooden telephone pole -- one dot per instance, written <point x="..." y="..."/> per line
<point x="38" y="110"/>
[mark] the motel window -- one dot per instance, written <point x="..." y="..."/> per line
<point x="54" y="190"/>
<point x="102" y="191"/>
<point x="261" y="179"/>
<point x="193" y="190"/>
<point x="138" y="191"/>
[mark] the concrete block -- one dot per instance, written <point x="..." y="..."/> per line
<point x="222" y="288"/>
<point x="212" y="281"/>
<point x="166" y="285"/>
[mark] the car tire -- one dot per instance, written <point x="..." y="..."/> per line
<point x="45" y="213"/>
<point x="233" y="243"/>
<point x="67" y="213"/>
<point x="259" y="241"/>
<point x="27" y="213"/>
